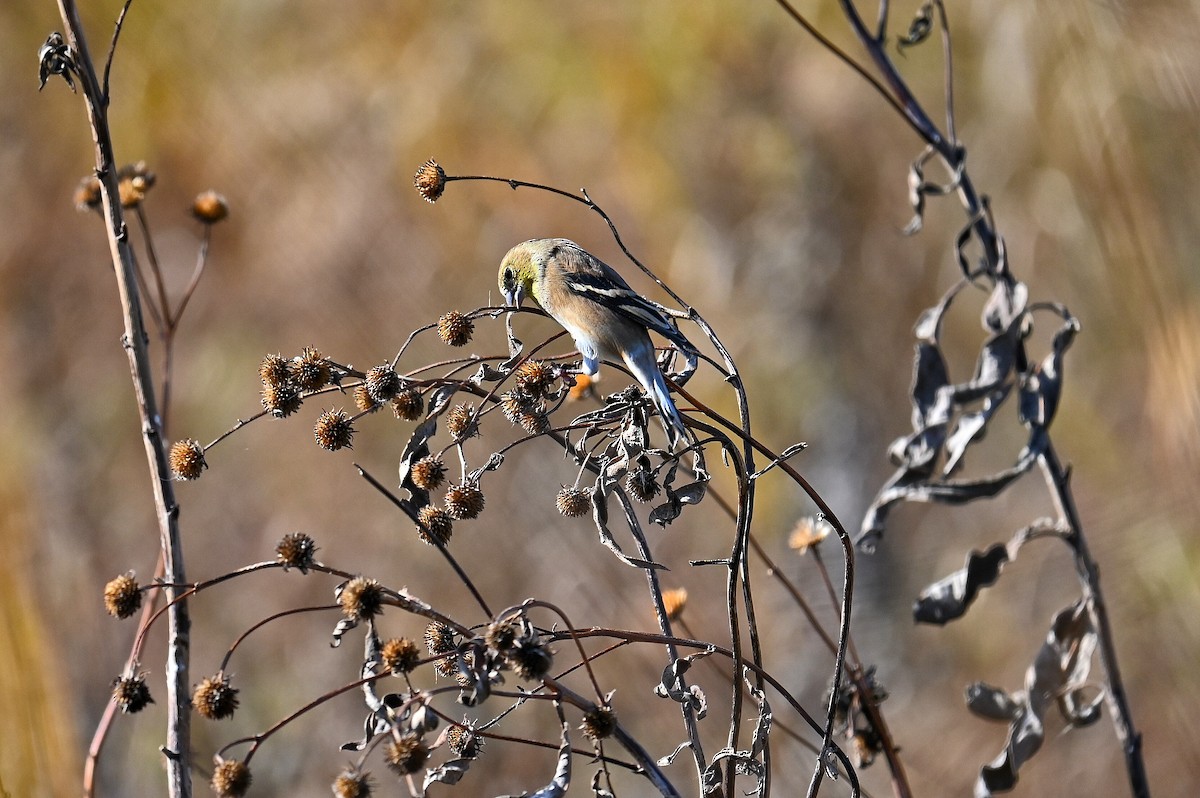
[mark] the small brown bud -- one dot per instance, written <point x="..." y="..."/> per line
<point x="210" y="207"/>
<point x="122" y="596"/>
<point x="296" y="550"/>
<point x="309" y="370"/>
<point x="428" y="473"/>
<point x="464" y="502"/>
<point x="281" y="399"/>
<point x="230" y="778"/>
<point x="808" y="532"/>
<point x="461" y="422"/>
<point x="501" y="635"/>
<point x="133" y="181"/>
<point x="361" y="598"/>
<point x="400" y="655"/>
<point x="406" y="755"/>
<point x="599" y="723"/>
<point x="436" y="525"/>
<point x="334" y="430"/>
<point x="573" y="502"/>
<point x="430" y="181"/>
<point x="214" y="698"/>
<point x="408" y="404"/>
<point x="455" y="329"/>
<point x="187" y="459"/>
<point x="534" y="423"/>
<point x="131" y="693"/>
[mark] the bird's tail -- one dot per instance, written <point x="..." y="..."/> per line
<point x="660" y="395"/>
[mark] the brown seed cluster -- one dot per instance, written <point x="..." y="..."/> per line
<point x="309" y="370"/>
<point x="231" y="778"/>
<point x="296" y="550"/>
<point x="87" y="195"/>
<point x="408" y="405"/>
<point x="464" y="502"/>
<point x="352" y="784"/>
<point x="131" y="693"/>
<point x="133" y="182"/>
<point x="361" y="598"/>
<point x="501" y="635"/>
<point x="573" y="502"/>
<point x="440" y="640"/>
<point x="455" y="329"/>
<point x="214" y="698"/>
<point x="436" y="525"/>
<point x="599" y="723"/>
<point x="363" y="400"/>
<point x="464" y="742"/>
<point x="428" y="473"/>
<point x="334" y="430"/>
<point x="281" y="399"/>
<point x="187" y="459"/>
<point x="530" y="658"/>
<point x="122" y="596"/>
<point x="400" y="655"/>
<point x="407" y="754"/>
<point x="526" y="410"/>
<point x="461" y="422"/>
<point x="383" y="383"/>
<point x="641" y="484"/>
<point x="535" y="377"/>
<point x="210" y="207"/>
<point x="430" y="181"/>
<point x="274" y="370"/>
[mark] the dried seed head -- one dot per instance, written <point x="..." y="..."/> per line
<point x="275" y="370"/>
<point x="133" y="181"/>
<point x="535" y="376"/>
<point x="674" y="602"/>
<point x="122" y="596"/>
<point x="573" y="502"/>
<point x="428" y="473"/>
<point x="599" y="723"/>
<point x="214" y="698"/>
<point x="641" y="484"/>
<point x="808" y="532"/>
<point x="534" y="423"/>
<point x="281" y="399"/>
<point x="230" y="778"/>
<point x="408" y="404"/>
<point x="439" y="639"/>
<point x="461" y="422"/>
<point x="464" y="502"/>
<point x="430" y="181"/>
<point x="407" y="754"/>
<point x="309" y="370"/>
<point x="131" y="693"/>
<point x="464" y="742"/>
<point x="382" y="383"/>
<point x="361" y="598"/>
<point x="530" y="658"/>
<point x="436" y="525"/>
<point x="400" y="655"/>
<point x="351" y="783"/>
<point x="334" y="430"/>
<point x="87" y="194"/>
<point x="296" y="550"/>
<point x="363" y="400"/>
<point x="187" y="459"/>
<point x="501" y="635"/>
<point x="455" y="329"/>
<point x="210" y="207"/>
<point x="464" y="675"/>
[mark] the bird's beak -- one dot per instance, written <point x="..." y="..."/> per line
<point x="515" y="297"/>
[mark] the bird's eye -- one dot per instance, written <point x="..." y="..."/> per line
<point x="508" y="276"/>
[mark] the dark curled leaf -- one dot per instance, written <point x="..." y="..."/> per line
<point x="972" y="427"/>
<point x="451" y="772"/>
<point x="597" y="790"/>
<point x="600" y="517"/>
<point x="1041" y="389"/>
<point x="1005" y="306"/>
<point x="1025" y="735"/>
<point x="743" y="764"/>
<point x="669" y="759"/>
<point x="949" y="598"/>
<point x="920" y="27"/>
<point x="691" y="493"/>
<point x="673" y="687"/>
<point x="416" y="448"/>
<point x="991" y="702"/>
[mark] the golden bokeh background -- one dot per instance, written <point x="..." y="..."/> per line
<point x="758" y="177"/>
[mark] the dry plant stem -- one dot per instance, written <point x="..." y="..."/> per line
<point x="178" y="739"/>
<point x="1058" y="479"/>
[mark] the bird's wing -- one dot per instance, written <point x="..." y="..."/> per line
<point x="618" y="297"/>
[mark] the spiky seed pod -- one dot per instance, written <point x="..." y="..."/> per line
<point x="461" y="422"/>
<point x="535" y="423"/>
<point x="210" y="207"/>
<point x="87" y="194"/>
<point x="122" y="596"/>
<point x="455" y="329"/>
<point x="214" y="698"/>
<point x="383" y="383"/>
<point x="464" y="742"/>
<point x="275" y="370"/>
<point x="674" y="602"/>
<point x="512" y="404"/>
<point x="351" y="783"/>
<point x="296" y="550"/>
<point x="309" y="370"/>
<point x="282" y="399"/>
<point x="428" y="473"/>
<point x="641" y="484"/>
<point x="436" y="525"/>
<point x="530" y="659"/>
<point x="363" y="400"/>
<point x="408" y="404"/>
<point x="406" y="755"/>
<point x="501" y="636"/>
<point x="131" y="693"/>
<point x="231" y="778"/>
<point x="534" y="376"/>
<point x="439" y="639"/>
<point x="464" y="675"/>
<point x="187" y="459"/>
<point x="573" y="502"/>
<point x="361" y="598"/>
<point x="400" y="655"/>
<point x="599" y="723"/>
<point x="430" y="181"/>
<point x="334" y="430"/>
<point x="464" y="502"/>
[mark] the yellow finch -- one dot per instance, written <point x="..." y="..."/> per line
<point x="607" y="318"/>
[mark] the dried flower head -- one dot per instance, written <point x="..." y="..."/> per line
<point x="461" y="422"/>
<point x="530" y="658"/>
<point x="599" y="723"/>
<point x="534" y="423"/>
<point x="210" y="207"/>
<point x="352" y="783"/>
<point x="133" y="181"/>
<point x="296" y="550"/>
<point x="282" y="399"/>
<point x="131" y="693"/>
<point x="573" y="502"/>
<point x="309" y="370"/>
<point x="408" y="404"/>
<point x="641" y="484"/>
<point x="501" y="635"/>
<point x="674" y="602"/>
<point x="455" y="329"/>
<point x="122" y="596"/>
<point x="439" y="639"/>
<point x="361" y="598"/>
<point x="383" y="383"/>
<point x="535" y="376"/>
<point x="187" y="459"/>
<point x="464" y="501"/>
<point x="430" y="181"/>
<point x="407" y="754"/>
<point x="87" y="194"/>
<point x="808" y="532"/>
<point x="436" y="525"/>
<point x="230" y="778"/>
<point x="363" y="400"/>
<point x="275" y="370"/>
<point x="214" y="698"/>
<point x="464" y="742"/>
<point x="400" y="655"/>
<point x="428" y="473"/>
<point x="334" y="430"/>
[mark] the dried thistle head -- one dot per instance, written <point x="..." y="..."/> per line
<point x="430" y="181"/>
<point x="361" y="598"/>
<point x="334" y="430"/>
<point x="535" y="377"/>
<point x="215" y="698"/>
<point x="464" y="742"/>
<point x="573" y="502"/>
<point x="407" y="754"/>
<point x="296" y="550"/>
<point x="464" y="502"/>
<point x="133" y="182"/>
<point x="436" y="525"/>
<point x="281" y="399"/>
<point x="309" y="370"/>
<point x="363" y="400"/>
<point x="461" y="422"/>
<point x="87" y="194"/>
<point x="408" y="404"/>
<point x="599" y="723"/>
<point x="131" y="693"/>
<point x="439" y="638"/>
<point x="210" y="207"/>
<point x="428" y="473"/>
<point x="383" y="383"/>
<point x="641" y="484"/>
<point x="187" y="459"/>
<point x="501" y="636"/>
<point x="455" y="329"/>
<point x="275" y="370"/>
<point x="534" y="423"/>
<point x="352" y="783"/>
<point x="231" y="778"/>
<point x="400" y="655"/>
<point x="122" y="596"/>
<point x="530" y="658"/>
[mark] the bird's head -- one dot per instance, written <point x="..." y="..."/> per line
<point x="519" y="270"/>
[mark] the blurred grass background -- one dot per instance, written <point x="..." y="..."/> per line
<point x="743" y="163"/>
